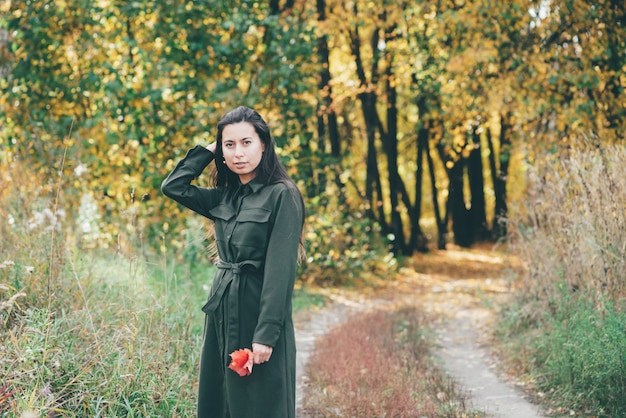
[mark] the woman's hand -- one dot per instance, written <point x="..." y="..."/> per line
<point x="212" y="147"/>
<point x="261" y="353"/>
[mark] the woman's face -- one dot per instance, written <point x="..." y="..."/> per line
<point x="242" y="149"/>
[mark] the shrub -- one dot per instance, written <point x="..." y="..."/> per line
<point x="582" y="357"/>
<point x="574" y="352"/>
<point x="343" y="249"/>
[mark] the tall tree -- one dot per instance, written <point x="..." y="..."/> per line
<point x="368" y="98"/>
<point x="327" y="126"/>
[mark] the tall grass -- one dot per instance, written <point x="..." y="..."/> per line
<point x="117" y="340"/>
<point x="572" y="226"/>
<point x="85" y="332"/>
<point x="568" y="320"/>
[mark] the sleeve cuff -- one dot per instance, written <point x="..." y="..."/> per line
<point x="267" y="333"/>
<point x="198" y="158"/>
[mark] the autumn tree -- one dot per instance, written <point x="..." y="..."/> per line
<point x="397" y="113"/>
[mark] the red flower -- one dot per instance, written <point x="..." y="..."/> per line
<point x="241" y="362"/>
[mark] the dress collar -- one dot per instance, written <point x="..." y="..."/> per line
<point x="255" y="185"/>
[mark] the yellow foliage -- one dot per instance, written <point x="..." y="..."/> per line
<point x="139" y="85"/>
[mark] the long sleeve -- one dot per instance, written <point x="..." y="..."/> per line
<point x="280" y="268"/>
<point x="178" y="187"/>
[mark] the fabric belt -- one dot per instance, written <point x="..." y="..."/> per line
<point x="233" y="281"/>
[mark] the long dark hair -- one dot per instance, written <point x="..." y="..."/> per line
<point x="270" y="169"/>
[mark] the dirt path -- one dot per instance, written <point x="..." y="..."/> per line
<point x="468" y="361"/>
<point x="315" y="323"/>
<point x="454" y="286"/>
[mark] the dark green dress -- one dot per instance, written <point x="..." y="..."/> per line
<point x="257" y="228"/>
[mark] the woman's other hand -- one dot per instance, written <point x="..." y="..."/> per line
<point x="261" y="353"/>
<point x="212" y="147"/>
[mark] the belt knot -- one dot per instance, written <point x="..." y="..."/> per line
<point x="228" y="289"/>
<point x="237" y="268"/>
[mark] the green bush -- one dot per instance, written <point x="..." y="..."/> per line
<point x="342" y="249"/>
<point x="573" y="351"/>
<point x="582" y="356"/>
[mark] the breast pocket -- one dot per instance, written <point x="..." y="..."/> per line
<point x="222" y="214"/>
<point x="252" y="227"/>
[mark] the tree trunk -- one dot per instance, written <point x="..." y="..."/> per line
<point x="461" y="216"/>
<point x="494" y="176"/>
<point x="499" y="183"/>
<point x="390" y="145"/>
<point x="276" y="9"/>
<point x="326" y="117"/>
<point x="417" y="240"/>
<point x="325" y="112"/>
<point x="376" y="209"/>
<point x="478" y="210"/>
<point x="368" y="106"/>
<point x="442" y="222"/>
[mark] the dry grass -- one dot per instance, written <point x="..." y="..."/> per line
<point x="571" y="229"/>
<point x="565" y="327"/>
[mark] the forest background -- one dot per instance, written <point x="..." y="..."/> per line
<point x="408" y="125"/>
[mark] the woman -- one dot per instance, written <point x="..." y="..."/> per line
<point x="258" y="213"/>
